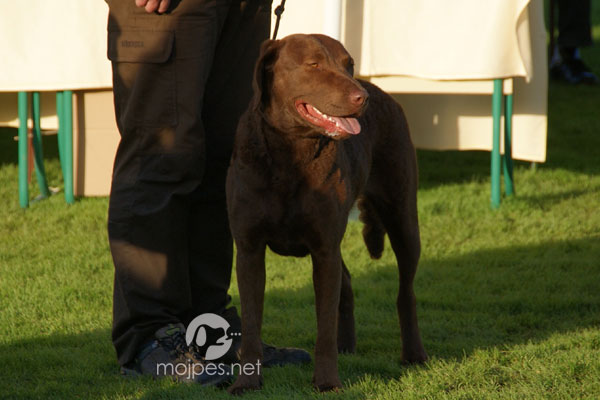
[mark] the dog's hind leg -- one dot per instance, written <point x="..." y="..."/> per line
<point x="404" y="237"/>
<point x="346" y="339"/>
<point x="400" y="221"/>
<point x="392" y="195"/>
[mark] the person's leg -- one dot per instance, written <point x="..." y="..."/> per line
<point x="160" y="67"/>
<point x="228" y="92"/>
<point x="574" y="26"/>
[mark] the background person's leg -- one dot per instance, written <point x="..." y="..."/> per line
<point x="574" y="28"/>
<point x="574" y="31"/>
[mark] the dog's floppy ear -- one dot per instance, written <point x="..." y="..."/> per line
<point x="263" y="73"/>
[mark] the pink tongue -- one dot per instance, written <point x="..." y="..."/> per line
<point x="348" y="125"/>
<point x="335" y="124"/>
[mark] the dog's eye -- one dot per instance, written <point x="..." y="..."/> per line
<point x="313" y="64"/>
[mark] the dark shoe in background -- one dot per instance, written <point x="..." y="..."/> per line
<point x="569" y="68"/>
<point x="170" y="356"/>
<point x="582" y="71"/>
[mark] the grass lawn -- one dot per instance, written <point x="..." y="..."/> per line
<point x="508" y="300"/>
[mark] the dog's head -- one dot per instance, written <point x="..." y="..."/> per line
<point x="305" y="83"/>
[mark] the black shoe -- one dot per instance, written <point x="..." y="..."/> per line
<point x="272" y="356"/>
<point x="170" y="356"/>
<point x="582" y="71"/>
<point x="278" y="356"/>
<point x="573" y="70"/>
<point x="562" y="73"/>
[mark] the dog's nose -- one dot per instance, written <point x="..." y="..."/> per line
<point x="358" y="97"/>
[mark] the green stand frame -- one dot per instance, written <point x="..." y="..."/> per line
<point x="497" y="161"/>
<point x="64" y="110"/>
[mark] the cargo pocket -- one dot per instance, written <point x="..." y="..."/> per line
<point x="144" y="77"/>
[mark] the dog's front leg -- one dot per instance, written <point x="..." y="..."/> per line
<point x="250" y="268"/>
<point x="327" y="278"/>
<point x="346" y="340"/>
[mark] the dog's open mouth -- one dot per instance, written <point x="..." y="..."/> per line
<point x="334" y="126"/>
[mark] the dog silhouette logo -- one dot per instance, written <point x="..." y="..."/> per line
<point x="210" y="332"/>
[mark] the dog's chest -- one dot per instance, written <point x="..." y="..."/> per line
<point x="300" y="210"/>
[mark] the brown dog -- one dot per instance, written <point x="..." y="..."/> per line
<point x="306" y="149"/>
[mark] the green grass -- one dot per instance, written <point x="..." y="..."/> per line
<point x="508" y="300"/>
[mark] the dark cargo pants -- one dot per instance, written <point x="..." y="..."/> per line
<point x="181" y="80"/>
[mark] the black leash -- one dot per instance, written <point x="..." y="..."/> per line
<point x="278" y="12"/>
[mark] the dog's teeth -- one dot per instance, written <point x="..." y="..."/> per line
<point x="322" y="114"/>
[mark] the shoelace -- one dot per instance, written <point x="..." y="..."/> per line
<point x="195" y="350"/>
<point x="175" y="343"/>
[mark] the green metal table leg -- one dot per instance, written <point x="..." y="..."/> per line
<point x="23" y="150"/>
<point x="495" y="161"/>
<point x="507" y="162"/>
<point x="38" y="154"/>
<point x="61" y="129"/>
<point x="67" y="112"/>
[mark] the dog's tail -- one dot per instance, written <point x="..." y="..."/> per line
<point x="373" y="229"/>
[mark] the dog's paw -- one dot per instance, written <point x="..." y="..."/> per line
<point x="418" y="356"/>
<point x="329" y="387"/>
<point x="327" y="384"/>
<point x="346" y="340"/>
<point x="346" y="348"/>
<point x="245" y="383"/>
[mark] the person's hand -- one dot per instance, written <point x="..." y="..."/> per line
<point x="153" y="5"/>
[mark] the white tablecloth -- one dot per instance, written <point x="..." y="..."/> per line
<point x="53" y="45"/>
<point x="50" y="45"/>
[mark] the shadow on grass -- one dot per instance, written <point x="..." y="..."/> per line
<point x="545" y="201"/>
<point x="493" y="298"/>
<point x="450" y="167"/>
